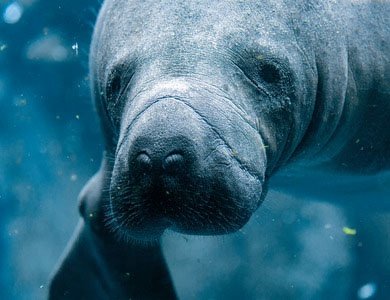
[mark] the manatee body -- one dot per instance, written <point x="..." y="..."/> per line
<point x="201" y="103"/>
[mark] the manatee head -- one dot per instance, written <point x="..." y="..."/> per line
<point x="198" y="103"/>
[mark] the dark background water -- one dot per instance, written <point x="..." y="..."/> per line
<point x="49" y="137"/>
<point x="50" y="145"/>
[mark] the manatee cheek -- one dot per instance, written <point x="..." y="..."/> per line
<point x="173" y="169"/>
<point x="236" y="192"/>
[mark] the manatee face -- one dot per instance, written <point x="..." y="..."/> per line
<point x="199" y="102"/>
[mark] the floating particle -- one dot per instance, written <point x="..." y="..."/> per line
<point x="50" y="48"/>
<point x="349" y="231"/>
<point x="367" y="291"/>
<point x="13" y="13"/>
<point x="3" y="47"/>
<point x="73" y="177"/>
<point x="75" y="47"/>
<point x="21" y="102"/>
<point x="77" y="117"/>
<point x="14" y="232"/>
<point x="42" y="286"/>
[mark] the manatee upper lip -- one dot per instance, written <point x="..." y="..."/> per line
<point x="204" y="120"/>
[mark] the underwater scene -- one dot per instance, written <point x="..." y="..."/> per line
<point x="308" y="239"/>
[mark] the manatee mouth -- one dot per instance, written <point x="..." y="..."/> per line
<point x="191" y="201"/>
<point x="173" y="171"/>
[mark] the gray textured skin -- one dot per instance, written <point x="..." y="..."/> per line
<point x="239" y="89"/>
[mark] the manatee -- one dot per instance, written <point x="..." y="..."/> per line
<point x="200" y="104"/>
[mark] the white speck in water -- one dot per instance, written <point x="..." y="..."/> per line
<point x="75" y="47"/>
<point x="367" y="291"/>
<point x="13" y="13"/>
<point x="73" y="177"/>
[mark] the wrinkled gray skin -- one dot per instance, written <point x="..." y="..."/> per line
<point x="200" y="103"/>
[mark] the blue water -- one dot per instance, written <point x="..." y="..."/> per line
<point x="50" y="145"/>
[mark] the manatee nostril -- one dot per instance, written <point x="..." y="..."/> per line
<point x="143" y="161"/>
<point x="174" y="163"/>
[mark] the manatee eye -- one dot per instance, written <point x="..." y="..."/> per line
<point x="112" y="98"/>
<point x="270" y="73"/>
<point x="114" y="87"/>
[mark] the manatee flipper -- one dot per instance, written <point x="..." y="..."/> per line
<point x="97" y="266"/>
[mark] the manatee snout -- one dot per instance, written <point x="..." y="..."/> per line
<point x="175" y="168"/>
<point x="166" y="140"/>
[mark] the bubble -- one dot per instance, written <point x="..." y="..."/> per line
<point x="73" y="177"/>
<point x="13" y="13"/>
<point x="367" y="291"/>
